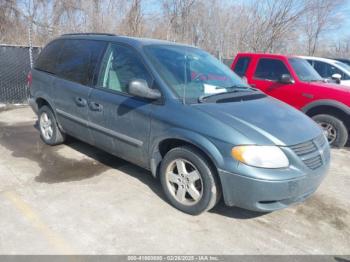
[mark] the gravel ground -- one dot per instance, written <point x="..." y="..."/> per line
<point x="75" y="199"/>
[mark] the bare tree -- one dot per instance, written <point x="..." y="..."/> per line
<point x="9" y="16"/>
<point x="134" y="18"/>
<point x="223" y="27"/>
<point x="337" y="48"/>
<point x="270" y="22"/>
<point x="177" y="13"/>
<point x="322" y="16"/>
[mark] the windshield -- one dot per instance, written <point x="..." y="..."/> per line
<point x="344" y="66"/>
<point x="201" y="73"/>
<point x="304" y="70"/>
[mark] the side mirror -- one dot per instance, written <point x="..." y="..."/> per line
<point x="286" y="79"/>
<point x="337" y="78"/>
<point x="140" y="88"/>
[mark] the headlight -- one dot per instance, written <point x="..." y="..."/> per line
<point x="260" y="156"/>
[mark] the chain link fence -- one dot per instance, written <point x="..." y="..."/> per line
<point x="14" y="68"/>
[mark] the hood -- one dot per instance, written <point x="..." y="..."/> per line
<point x="264" y="121"/>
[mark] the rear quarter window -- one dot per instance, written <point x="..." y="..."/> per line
<point x="242" y="66"/>
<point x="79" y="59"/>
<point x="48" y="57"/>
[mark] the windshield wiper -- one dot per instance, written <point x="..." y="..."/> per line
<point x="237" y="89"/>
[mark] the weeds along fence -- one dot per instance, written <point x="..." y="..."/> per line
<point x="14" y="68"/>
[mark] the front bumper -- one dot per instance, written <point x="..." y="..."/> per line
<point x="268" y="195"/>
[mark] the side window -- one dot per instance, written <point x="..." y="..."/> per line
<point x="242" y="66"/>
<point x="120" y="65"/>
<point x="48" y="57"/>
<point x="327" y="70"/>
<point x="270" y="69"/>
<point x="321" y="68"/>
<point x="334" y="70"/>
<point x="79" y="59"/>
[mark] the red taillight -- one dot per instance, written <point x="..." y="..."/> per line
<point x="29" y="79"/>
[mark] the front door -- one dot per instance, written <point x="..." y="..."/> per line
<point x="120" y="123"/>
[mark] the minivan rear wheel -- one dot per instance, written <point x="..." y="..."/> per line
<point x="334" y="129"/>
<point x="49" y="130"/>
<point x="189" y="181"/>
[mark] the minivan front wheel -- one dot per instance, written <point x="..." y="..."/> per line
<point x="333" y="128"/>
<point x="188" y="180"/>
<point x="49" y="130"/>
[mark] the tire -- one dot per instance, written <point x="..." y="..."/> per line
<point x="341" y="132"/>
<point x="194" y="163"/>
<point x="49" y="130"/>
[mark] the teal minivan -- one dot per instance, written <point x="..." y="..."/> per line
<point x="180" y="113"/>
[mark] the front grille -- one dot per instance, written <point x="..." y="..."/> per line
<point x="304" y="148"/>
<point x="310" y="152"/>
<point x="314" y="162"/>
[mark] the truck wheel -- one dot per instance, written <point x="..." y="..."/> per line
<point x="189" y="181"/>
<point x="334" y="129"/>
<point x="49" y="130"/>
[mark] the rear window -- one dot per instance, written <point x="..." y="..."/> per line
<point x="48" y="57"/>
<point x="78" y="60"/>
<point x="242" y="66"/>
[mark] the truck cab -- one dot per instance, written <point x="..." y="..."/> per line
<point x="294" y="81"/>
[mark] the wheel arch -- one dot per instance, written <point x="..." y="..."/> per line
<point x="330" y="107"/>
<point x="163" y="144"/>
<point x="43" y="100"/>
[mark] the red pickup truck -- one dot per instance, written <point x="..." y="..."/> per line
<point x="295" y="82"/>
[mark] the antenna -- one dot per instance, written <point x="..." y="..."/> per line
<point x="185" y="85"/>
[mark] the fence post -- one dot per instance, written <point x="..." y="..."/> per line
<point x="30" y="43"/>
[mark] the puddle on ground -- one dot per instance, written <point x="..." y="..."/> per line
<point x="24" y="142"/>
<point x="320" y="209"/>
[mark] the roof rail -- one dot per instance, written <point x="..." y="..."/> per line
<point x="90" y="34"/>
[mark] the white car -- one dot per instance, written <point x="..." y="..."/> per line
<point x="330" y="69"/>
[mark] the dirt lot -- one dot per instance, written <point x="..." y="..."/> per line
<point x="76" y="199"/>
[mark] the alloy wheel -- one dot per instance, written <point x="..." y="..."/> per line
<point x="184" y="182"/>
<point x="329" y="130"/>
<point x="46" y="126"/>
